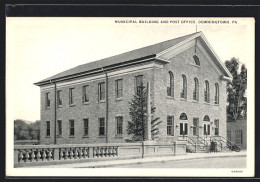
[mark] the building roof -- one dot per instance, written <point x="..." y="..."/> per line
<point x="121" y="58"/>
<point x="152" y="51"/>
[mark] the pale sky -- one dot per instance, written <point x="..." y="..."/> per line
<point x="38" y="48"/>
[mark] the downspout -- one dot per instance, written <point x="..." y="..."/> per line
<point x="106" y="105"/>
<point x="55" y="112"/>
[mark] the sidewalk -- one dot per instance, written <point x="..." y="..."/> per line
<point x="189" y="156"/>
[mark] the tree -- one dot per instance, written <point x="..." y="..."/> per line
<point x="138" y="115"/>
<point x="237" y="101"/>
<point x="26" y="130"/>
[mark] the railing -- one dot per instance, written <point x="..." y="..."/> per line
<point x="105" y="151"/>
<point x="27" y="155"/>
<point x="202" y="141"/>
<point x="192" y="145"/>
<point x="223" y="142"/>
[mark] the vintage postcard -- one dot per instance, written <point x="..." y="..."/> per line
<point x="136" y="96"/>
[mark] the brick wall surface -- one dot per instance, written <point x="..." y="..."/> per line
<point x="179" y="64"/>
<point x="238" y="125"/>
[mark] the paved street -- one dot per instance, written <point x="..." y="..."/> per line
<point x="191" y="160"/>
<point x="230" y="162"/>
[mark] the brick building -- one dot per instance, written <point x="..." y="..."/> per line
<point x="237" y="132"/>
<point x="188" y="88"/>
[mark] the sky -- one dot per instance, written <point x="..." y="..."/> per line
<point x="37" y="48"/>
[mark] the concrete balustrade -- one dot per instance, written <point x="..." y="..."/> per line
<point x="33" y="155"/>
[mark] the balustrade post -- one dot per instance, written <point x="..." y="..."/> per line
<point x="91" y="152"/>
<point x="56" y="155"/>
<point x="16" y="153"/>
<point x="118" y="151"/>
<point x="33" y="155"/>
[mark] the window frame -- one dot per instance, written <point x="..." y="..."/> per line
<point x="59" y="123"/>
<point x="86" y="126"/>
<point x="48" y="128"/>
<point x="59" y="100"/>
<point x="239" y="137"/>
<point x="99" y="126"/>
<point x="72" y="128"/>
<point x="216" y="102"/>
<point x="184" y="87"/>
<point x="71" y="96"/>
<point x="170" y="87"/>
<point x="85" y="94"/>
<point x="216" y="130"/>
<point x="119" y="125"/>
<point x="136" y="84"/>
<point x="196" y="90"/>
<point x="170" y="127"/>
<point x="47" y="100"/>
<point x="119" y="90"/>
<point x="206" y="92"/>
<point x="196" y="60"/>
<point x="101" y="93"/>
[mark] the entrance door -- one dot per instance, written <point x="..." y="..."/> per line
<point x="206" y="129"/>
<point x="183" y="128"/>
<point x="195" y="126"/>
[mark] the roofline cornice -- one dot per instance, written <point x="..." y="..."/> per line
<point x="99" y="70"/>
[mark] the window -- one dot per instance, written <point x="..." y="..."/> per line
<point x="101" y="91"/>
<point x="72" y="129"/>
<point x="170" y="125"/>
<point x="59" y="128"/>
<point x="206" y="118"/>
<point x="216" y="123"/>
<point x="206" y="92"/>
<point x="196" y="90"/>
<point x="119" y="125"/>
<point x="238" y="139"/>
<point x="216" y="94"/>
<point x="85" y="126"/>
<point x="183" y="116"/>
<point x="59" y="98"/>
<point x="101" y="126"/>
<point x="119" y="88"/>
<point x="71" y="95"/>
<point x="85" y="93"/>
<point x="170" y="84"/>
<point x="47" y="98"/>
<point x="48" y="126"/>
<point x="184" y="87"/>
<point x="196" y="60"/>
<point x="139" y="83"/>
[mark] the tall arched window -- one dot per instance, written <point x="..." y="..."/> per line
<point x="216" y="94"/>
<point x="196" y="60"/>
<point x="196" y="90"/>
<point x="184" y="87"/>
<point x="170" y="84"/>
<point x="206" y="92"/>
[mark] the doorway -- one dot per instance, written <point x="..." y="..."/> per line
<point x="183" y="128"/>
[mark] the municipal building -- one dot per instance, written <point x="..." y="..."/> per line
<point x="89" y="103"/>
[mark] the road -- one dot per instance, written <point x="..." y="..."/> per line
<point x="228" y="162"/>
